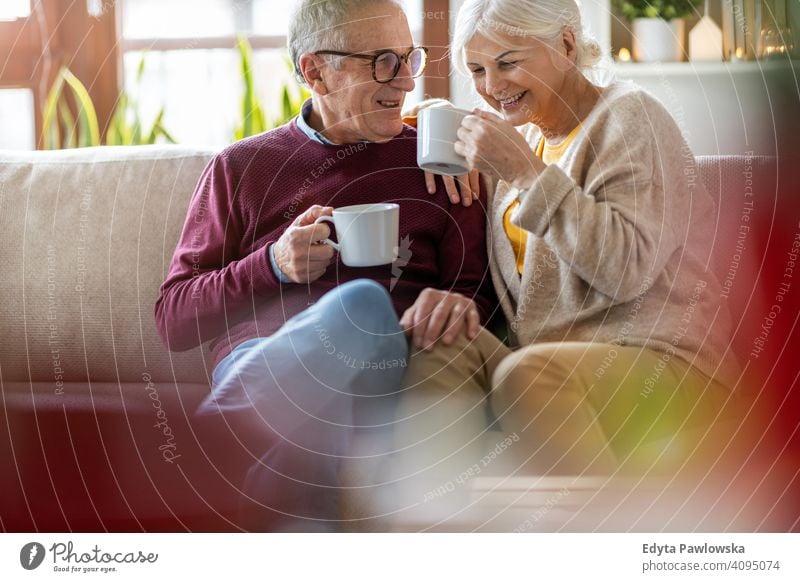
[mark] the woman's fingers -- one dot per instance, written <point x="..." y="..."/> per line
<point x="465" y="188"/>
<point x="450" y="188"/>
<point x="458" y="189"/>
<point x="475" y="183"/>
<point x="430" y="182"/>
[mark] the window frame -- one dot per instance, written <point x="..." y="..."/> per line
<point x="33" y="48"/>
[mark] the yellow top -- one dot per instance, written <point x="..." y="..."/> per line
<point x="518" y="237"/>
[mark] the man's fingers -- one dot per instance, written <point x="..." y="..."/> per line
<point x="318" y="254"/>
<point x="436" y="324"/>
<point x="314" y="275"/>
<point x="425" y="305"/>
<point x="430" y="182"/>
<point x="455" y="323"/>
<point x="312" y="233"/>
<point x="407" y="321"/>
<point x="473" y="321"/>
<point x="313" y="213"/>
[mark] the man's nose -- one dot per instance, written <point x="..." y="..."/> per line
<point x="403" y="79"/>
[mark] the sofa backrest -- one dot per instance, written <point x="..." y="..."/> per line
<point x="86" y="237"/>
<point x="85" y="240"/>
<point x="740" y="236"/>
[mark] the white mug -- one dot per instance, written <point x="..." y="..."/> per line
<point x="437" y="133"/>
<point x="368" y="233"/>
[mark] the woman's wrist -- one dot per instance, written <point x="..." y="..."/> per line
<point x="525" y="179"/>
<point x="527" y="175"/>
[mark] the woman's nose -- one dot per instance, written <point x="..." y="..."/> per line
<point x="494" y="83"/>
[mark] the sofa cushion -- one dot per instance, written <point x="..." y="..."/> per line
<point x="121" y="457"/>
<point x="86" y="238"/>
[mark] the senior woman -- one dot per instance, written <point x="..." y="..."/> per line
<point x="597" y="219"/>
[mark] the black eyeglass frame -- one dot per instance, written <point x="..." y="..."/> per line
<point x="375" y="56"/>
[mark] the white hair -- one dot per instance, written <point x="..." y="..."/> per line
<point x="502" y="21"/>
<point x="321" y="25"/>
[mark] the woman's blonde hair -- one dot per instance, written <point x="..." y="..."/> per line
<point x="502" y="21"/>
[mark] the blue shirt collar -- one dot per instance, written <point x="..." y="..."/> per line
<point x="311" y="133"/>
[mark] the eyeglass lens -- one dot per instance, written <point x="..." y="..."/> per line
<point x="388" y="64"/>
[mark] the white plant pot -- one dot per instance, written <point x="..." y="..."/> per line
<point x="655" y="39"/>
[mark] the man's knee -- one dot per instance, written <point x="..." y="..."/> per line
<point x="362" y="304"/>
<point x="363" y="295"/>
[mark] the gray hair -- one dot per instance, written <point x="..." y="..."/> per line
<point x="498" y="20"/>
<point x="320" y="25"/>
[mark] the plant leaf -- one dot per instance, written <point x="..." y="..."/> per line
<point x="87" y="116"/>
<point x="51" y="136"/>
<point x="68" y="120"/>
<point x="152" y="136"/>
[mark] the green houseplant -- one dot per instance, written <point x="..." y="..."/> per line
<point x="70" y="120"/>
<point x="658" y="27"/>
<point x="253" y="119"/>
<point x="664" y="9"/>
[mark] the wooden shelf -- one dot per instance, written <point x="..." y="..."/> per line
<point x="705" y="67"/>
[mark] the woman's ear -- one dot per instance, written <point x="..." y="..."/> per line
<point x="311" y="70"/>
<point x="566" y="49"/>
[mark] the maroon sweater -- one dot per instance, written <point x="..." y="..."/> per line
<point x="220" y="285"/>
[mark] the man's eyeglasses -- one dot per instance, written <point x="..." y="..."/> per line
<point x="386" y="63"/>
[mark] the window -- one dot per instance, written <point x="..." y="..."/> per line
<point x="200" y="90"/>
<point x="154" y="19"/>
<point x="16" y="119"/>
<point x="13" y="9"/>
<point x="192" y="68"/>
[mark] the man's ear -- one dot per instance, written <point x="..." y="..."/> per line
<point x="311" y="70"/>
<point x="567" y="49"/>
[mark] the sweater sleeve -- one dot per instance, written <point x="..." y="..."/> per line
<point x="463" y="257"/>
<point x="209" y="287"/>
<point x="618" y="230"/>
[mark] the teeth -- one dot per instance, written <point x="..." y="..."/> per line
<point x="390" y="103"/>
<point x="512" y="100"/>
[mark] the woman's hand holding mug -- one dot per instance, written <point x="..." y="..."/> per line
<point x="494" y="147"/>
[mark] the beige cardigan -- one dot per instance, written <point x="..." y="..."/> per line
<point x="615" y="249"/>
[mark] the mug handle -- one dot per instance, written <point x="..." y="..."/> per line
<point x="328" y="241"/>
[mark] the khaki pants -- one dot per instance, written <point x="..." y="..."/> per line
<point x="585" y="408"/>
<point x="443" y="427"/>
<point x="475" y="408"/>
<point x="571" y="408"/>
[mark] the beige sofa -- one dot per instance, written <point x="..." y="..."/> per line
<point x="97" y="431"/>
<point x="98" y="411"/>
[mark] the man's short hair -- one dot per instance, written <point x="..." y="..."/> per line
<point x="320" y="25"/>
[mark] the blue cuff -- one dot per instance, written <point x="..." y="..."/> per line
<point x="275" y="268"/>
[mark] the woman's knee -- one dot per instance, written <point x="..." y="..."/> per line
<point x="531" y="372"/>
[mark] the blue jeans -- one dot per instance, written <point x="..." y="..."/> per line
<point x="330" y="369"/>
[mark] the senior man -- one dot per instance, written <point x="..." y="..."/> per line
<point x="250" y="275"/>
